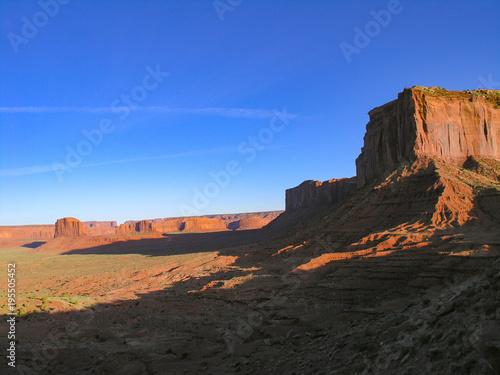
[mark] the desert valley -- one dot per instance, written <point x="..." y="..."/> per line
<point x="393" y="271"/>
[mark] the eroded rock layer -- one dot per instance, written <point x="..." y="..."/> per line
<point x="431" y="122"/>
<point x="70" y="227"/>
<point x="311" y="193"/>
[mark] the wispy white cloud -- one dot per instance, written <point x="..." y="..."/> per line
<point x="46" y="168"/>
<point x="205" y="111"/>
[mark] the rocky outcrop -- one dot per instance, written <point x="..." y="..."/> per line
<point x="143" y="226"/>
<point x="169" y="225"/>
<point x="253" y="222"/>
<point x="123" y="229"/>
<point x="70" y="227"/>
<point x="27" y="232"/>
<point x="431" y="122"/>
<point x="315" y="193"/>
<point x="212" y="223"/>
<point x="202" y="224"/>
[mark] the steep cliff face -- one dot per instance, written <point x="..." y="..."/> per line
<point x="143" y="226"/>
<point x="69" y="227"/>
<point x="203" y="224"/>
<point x="169" y="225"/>
<point x="27" y="231"/>
<point x="433" y="122"/>
<point x="314" y="193"/>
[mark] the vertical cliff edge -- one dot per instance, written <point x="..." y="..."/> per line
<point x="432" y="122"/>
<point x="315" y="193"/>
<point x="422" y="122"/>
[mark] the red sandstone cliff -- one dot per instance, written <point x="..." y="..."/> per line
<point x="202" y="224"/>
<point x="253" y="222"/>
<point x="27" y="232"/>
<point x="69" y="227"/>
<point x="169" y="225"/>
<point x="313" y="193"/>
<point x="433" y="122"/>
<point x="143" y="226"/>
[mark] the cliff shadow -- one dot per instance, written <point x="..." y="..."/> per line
<point x="178" y="243"/>
<point x="199" y="323"/>
<point x="34" y="244"/>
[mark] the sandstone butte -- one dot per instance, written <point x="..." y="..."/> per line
<point x="422" y="122"/>
<point x="209" y="223"/>
<point x="143" y="226"/>
<point x="202" y="224"/>
<point x="69" y="227"/>
<point x="430" y="122"/>
<point x="252" y="222"/>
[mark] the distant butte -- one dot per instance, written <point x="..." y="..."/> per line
<point x="69" y="227"/>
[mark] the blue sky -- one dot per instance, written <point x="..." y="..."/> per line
<point x="201" y="89"/>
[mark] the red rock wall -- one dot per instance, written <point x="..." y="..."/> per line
<point x="450" y="125"/>
<point x="315" y="193"/>
<point x="202" y="224"/>
<point x="69" y="227"/>
<point x="169" y="225"/>
<point x="253" y="222"/>
<point x="143" y="226"/>
<point x="27" y="232"/>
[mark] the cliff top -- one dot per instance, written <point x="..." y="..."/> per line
<point x="492" y="96"/>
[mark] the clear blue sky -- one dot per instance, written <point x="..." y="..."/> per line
<point x="71" y="73"/>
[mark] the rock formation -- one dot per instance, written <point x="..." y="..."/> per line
<point x="253" y="222"/>
<point x="202" y="224"/>
<point x="432" y="122"/>
<point x="97" y="224"/>
<point x="143" y="226"/>
<point x="27" y="232"/>
<point x="169" y="225"/>
<point x="70" y="227"/>
<point x="313" y="193"/>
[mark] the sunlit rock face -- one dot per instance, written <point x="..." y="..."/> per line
<point x="432" y="122"/>
<point x="70" y="227"/>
